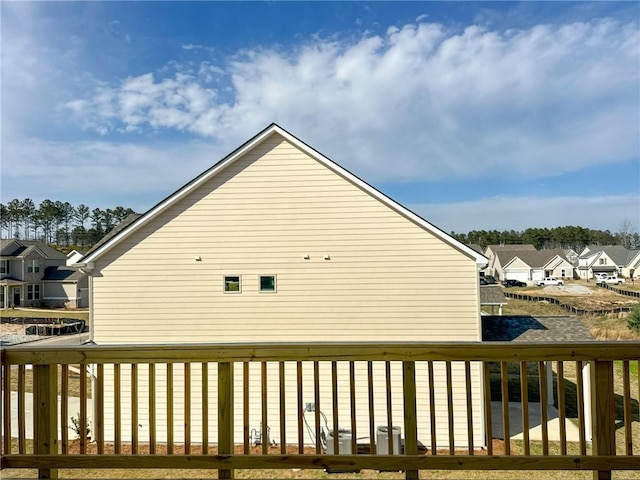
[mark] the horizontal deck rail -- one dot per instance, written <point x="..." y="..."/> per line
<point x="194" y="406"/>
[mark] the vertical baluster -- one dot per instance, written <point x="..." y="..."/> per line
<point x="352" y="407"/>
<point x="134" y="408"/>
<point x="245" y="407"/>
<point x="544" y="415"/>
<point x="169" y="391"/>
<point x="316" y="393"/>
<point x="562" y="410"/>
<point x="283" y="416"/>
<point x="265" y="420"/>
<point x="117" y="410"/>
<point x="152" y="408"/>
<point x="64" y="408"/>
<point x="301" y="410"/>
<point x="432" y="407"/>
<point x="83" y="408"/>
<point x="6" y="404"/>
<point x="334" y="397"/>
<point x="487" y="407"/>
<point x="467" y="381"/>
<point x="99" y="413"/>
<point x="581" y="412"/>
<point x="504" y="386"/>
<point x="187" y="408"/>
<point x="387" y="367"/>
<point x="205" y="408"/>
<point x="372" y="428"/>
<point x="452" y="447"/>
<point x="524" y="400"/>
<point x="626" y="382"/>
<point x="21" y="409"/>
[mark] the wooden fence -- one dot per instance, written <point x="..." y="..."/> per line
<point x="621" y="291"/>
<point x="566" y="306"/>
<point x="614" y="395"/>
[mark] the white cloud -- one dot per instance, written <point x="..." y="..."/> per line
<point x="83" y="171"/>
<point x="419" y="102"/>
<point x="520" y="213"/>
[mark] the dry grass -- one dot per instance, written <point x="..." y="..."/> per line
<point x="44" y="313"/>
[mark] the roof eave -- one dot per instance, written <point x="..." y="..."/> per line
<point x="479" y="259"/>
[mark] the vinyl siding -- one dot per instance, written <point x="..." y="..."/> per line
<point x="261" y="216"/>
<point x="387" y="278"/>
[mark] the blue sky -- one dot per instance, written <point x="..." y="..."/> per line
<point x="476" y="115"/>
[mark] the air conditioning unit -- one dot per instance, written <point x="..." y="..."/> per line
<point x="382" y="440"/>
<point x="344" y="442"/>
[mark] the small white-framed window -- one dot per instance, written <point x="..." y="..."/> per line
<point x="33" y="292"/>
<point x="267" y="283"/>
<point x="563" y="273"/>
<point x="33" y="266"/>
<point x="4" y="267"/>
<point x="232" y="284"/>
<point x="603" y="261"/>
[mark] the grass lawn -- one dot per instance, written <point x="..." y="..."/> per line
<point x="44" y="313"/>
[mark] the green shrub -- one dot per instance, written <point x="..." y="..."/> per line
<point x="633" y="319"/>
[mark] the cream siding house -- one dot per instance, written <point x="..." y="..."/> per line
<point x="499" y="255"/>
<point x="276" y="243"/>
<point x="608" y="259"/>
<point x="535" y="265"/>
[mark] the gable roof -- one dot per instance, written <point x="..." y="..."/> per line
<point x="617" y="253"/>
<point x="538" y="258"/>
<point x="274" y="129"/>
<point x="20" y="248"/>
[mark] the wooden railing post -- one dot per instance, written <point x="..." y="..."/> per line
<point x="46" y="405"/>
<point x="410" y="414"/>
<point x="603" y="408"/>
<point x="225" y="413"/>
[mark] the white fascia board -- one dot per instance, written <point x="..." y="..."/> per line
<point x="480" y="259"/>
<point x="179" y="194"/>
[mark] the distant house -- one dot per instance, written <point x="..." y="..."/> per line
<point x="613" y="260"/>
<point x="33" y="274"/>
<point x="632" y="269"/>
<point x="498" y="255"/>
<point x="528" y="266"/>
<point x="74" y="256"/>
<point x="277" y="243"/>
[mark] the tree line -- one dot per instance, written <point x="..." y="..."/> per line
<point x="572" y="237"/>
<point x="58" y="223"/>
<point x="64" y="225"/>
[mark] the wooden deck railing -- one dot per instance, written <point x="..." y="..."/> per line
<point x="186" y="407"/>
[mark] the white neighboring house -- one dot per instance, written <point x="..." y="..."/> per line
<point x="499" y="255"/>
<point x="277" y="243"/>
<point x="536" y="265"/>
<point x="613" y="260"/>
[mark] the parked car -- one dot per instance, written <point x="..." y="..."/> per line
<point x="609" y="280"/>
<point x="513" y="283"/>
<point x="547" y="281"/>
